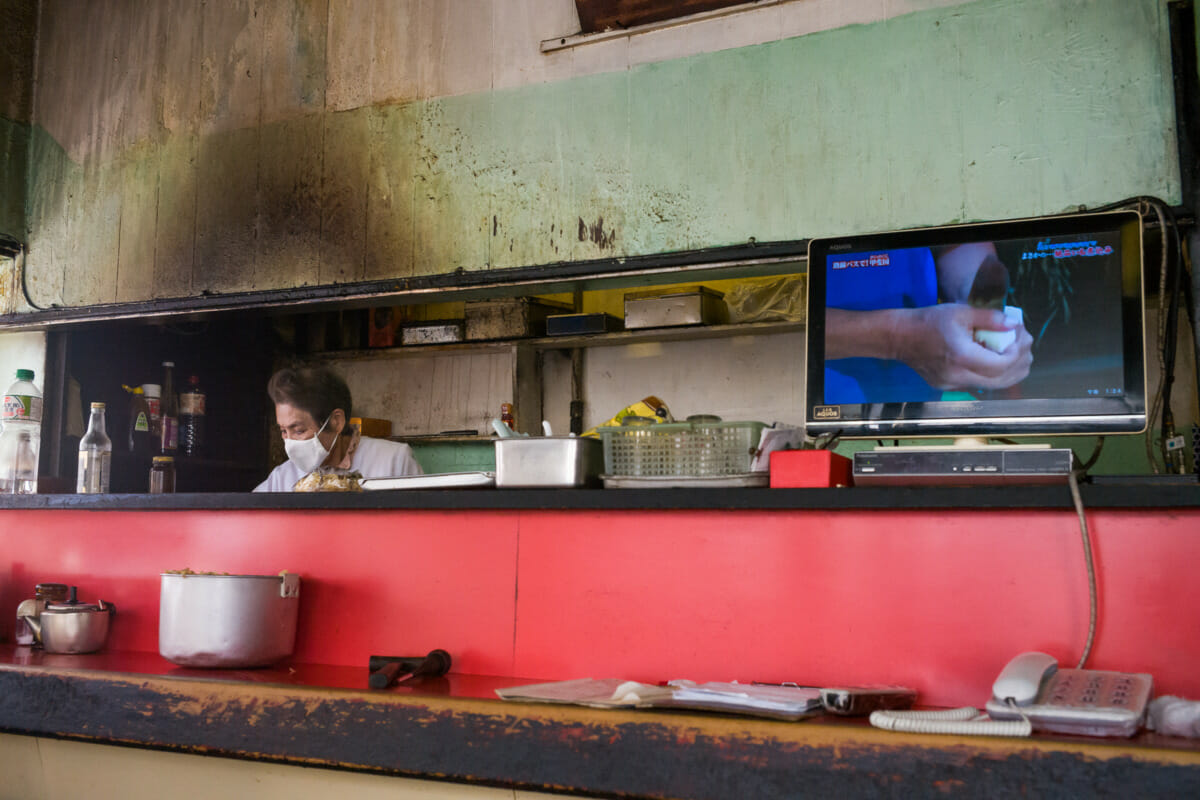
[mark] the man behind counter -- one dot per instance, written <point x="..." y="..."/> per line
<point x="312" y="408"/>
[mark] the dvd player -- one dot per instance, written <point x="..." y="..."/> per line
<point x="961" y="466"/>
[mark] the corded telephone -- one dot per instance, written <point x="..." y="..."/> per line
<point x="1032" y="693"/>
<point x="1082" y="701"/>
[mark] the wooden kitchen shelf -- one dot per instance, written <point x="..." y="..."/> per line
<point x="615" y="338"/>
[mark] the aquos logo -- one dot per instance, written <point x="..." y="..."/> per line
<point x="827" y="412"/>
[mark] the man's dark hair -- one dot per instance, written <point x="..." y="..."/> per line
<point x="316" y="390"/>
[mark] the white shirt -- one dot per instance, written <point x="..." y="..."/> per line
<point x="373" y="458"/>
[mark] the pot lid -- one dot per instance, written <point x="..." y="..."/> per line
<point x="73" y="606"/>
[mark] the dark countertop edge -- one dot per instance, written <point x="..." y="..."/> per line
<point x="1131" y="494"/>
<point x="626" y="753"/>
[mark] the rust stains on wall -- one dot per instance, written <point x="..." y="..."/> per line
<point x="596" y="234"/>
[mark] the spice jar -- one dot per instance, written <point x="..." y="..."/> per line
<point x="162" y="475"/>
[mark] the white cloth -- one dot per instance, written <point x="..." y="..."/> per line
<point x="1174" y="716"/>
<point x="373" y="458"/>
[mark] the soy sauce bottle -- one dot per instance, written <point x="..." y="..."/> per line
<point x="170" y="412"/>
<point x="191" y="418"/>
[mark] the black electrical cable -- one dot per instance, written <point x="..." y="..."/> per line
<point x="1093" y="458"/>
<point x="24" y="283"/>
<point x="827" y="441"/>
<point x="1168" y="323"/>
<point x="1172" y="459"/>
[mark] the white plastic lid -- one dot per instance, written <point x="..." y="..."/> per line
<point x="152" y="389"/>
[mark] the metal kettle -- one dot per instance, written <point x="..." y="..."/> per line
<point x="72" y="627"/>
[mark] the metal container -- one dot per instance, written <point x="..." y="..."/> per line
<point x="227" y="620"/>
<point x="548" y="462"/>
<point x="72" y="627"/>
<point x="693" y="306"/>
<point x="510" y="317"/>
<point x="579" y="324"/>
<point x="439" y="332"/>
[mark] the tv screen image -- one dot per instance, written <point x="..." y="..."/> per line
<point x="1009" y="328"/>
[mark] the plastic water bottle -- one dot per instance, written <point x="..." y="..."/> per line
<point x="21" y="437"/>
<point x="95" y="455"/>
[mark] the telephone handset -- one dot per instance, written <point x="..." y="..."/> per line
<point x="1081" y="701"/>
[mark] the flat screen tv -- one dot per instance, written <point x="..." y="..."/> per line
<point x="992" y="329"/>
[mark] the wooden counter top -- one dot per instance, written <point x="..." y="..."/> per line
<point x="454" y="729"/>
<point x="1159" y="491"/>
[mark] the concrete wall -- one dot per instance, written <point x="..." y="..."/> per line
<point x="255" y="144"/>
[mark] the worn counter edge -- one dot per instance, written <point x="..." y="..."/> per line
<point x="1133" y="494"/>
<point x="567" y="748"/>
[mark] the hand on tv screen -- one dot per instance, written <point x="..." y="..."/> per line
<point x="938" y="342"/>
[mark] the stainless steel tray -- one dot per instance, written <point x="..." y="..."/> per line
<point x="744" y="480"/>
<point x="441" y="480"/>
<point x="548" y="461"/>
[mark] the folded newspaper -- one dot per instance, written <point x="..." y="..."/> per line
<point x="777" y="702"/>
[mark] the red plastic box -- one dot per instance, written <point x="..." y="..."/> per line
<point x="806" y="469"/>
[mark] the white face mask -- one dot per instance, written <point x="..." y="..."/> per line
<point x="307" y="454"/>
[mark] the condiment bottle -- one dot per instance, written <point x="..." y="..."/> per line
<point x="153" y="393"/>
<point x="191" y="418"/>
<point x="170" y="411"/>
<point x="43" y="593"/>
<point x="162" y="475"/>
<point x="140" y="439"/>
<point x="95" y="455"/>
<point x="506" y="415"/>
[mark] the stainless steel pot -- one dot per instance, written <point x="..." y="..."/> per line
<point x="227" y="620"/>
<point x="72" y="627"/>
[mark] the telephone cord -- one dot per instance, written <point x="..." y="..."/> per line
<point x="965" y="721"/>
<point x="1089" y="561"/>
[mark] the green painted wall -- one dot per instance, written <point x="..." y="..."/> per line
<point x="457" y="457"/>
<point x="991" y="109"/>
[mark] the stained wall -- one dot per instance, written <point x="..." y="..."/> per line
<point x="258" y="144"/>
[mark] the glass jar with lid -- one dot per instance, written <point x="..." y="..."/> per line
<point x="162" y="475"/>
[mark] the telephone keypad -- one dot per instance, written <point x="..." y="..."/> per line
<point x="1115" y="699"/>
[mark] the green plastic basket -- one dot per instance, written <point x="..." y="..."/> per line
<point x="690" y="449"/>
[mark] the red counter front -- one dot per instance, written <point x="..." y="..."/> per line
<point x="938" y="600"/>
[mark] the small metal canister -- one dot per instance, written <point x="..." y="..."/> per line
<point x="162" y="475"/>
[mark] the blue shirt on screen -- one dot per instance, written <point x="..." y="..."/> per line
<point x="869" y="282"/>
